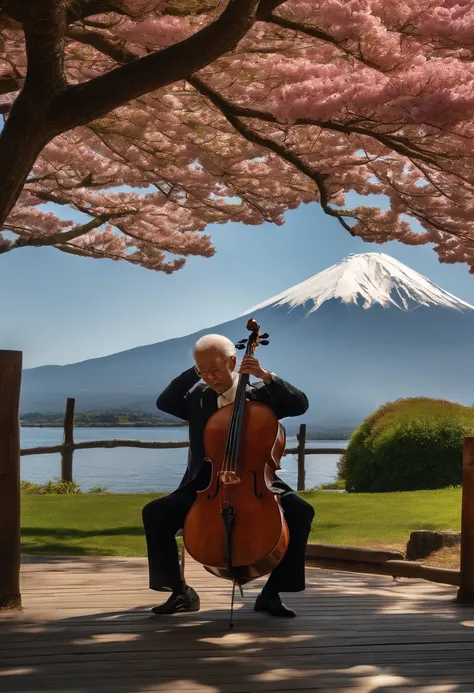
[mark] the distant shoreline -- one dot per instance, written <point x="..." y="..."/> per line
<point x="104" y="425"/>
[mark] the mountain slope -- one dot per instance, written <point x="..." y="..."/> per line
<point x="363" y="332"/>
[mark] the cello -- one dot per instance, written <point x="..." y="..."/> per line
<point x="236" y="527"/>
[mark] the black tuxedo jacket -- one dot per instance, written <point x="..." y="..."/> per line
<point x="191" y="400"/>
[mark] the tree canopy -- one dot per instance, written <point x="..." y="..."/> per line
<point x="143" y="121"/>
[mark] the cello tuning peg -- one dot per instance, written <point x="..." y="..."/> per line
<point x="240" y="346"/>
<point x="265" y="335"/>
<point x="264" y="342"/>
<point x="243" y="341"/>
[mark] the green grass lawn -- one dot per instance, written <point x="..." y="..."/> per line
<point x="111" y="524"/>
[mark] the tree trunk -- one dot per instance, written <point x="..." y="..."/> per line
<point x="21" y="141"/>
<point x="10" y="551"/>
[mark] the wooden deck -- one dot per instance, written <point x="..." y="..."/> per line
<point x="86" y="626"/>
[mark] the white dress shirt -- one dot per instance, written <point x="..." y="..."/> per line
<point x="228" y="396"/>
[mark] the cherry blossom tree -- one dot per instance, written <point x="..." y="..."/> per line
<point x="130" y="125"/>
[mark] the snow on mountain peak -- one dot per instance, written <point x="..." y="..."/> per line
<point x="376" y="278"/>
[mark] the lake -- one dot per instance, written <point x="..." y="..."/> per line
<point x="134" y="470"/>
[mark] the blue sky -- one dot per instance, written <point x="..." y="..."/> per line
<point x="59" y="309"/>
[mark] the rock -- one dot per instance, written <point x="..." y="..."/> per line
<point x="424" y="542"/>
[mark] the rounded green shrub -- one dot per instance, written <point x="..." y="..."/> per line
<point x="408" y="445"/>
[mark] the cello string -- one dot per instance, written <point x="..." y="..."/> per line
<point x="235" y="428"/>
<point x="230" y="443"/>
<point x="231" y="435"/>
<point x="239" y="405"/>
<point x="233" y="431"/>
<point x="236" y="432"/>
<point x="239" y="414"/>
<point x="245" y="380"/>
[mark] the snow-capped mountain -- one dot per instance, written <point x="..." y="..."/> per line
<point x="360" y="333"/>
<point x="366" y="280"/>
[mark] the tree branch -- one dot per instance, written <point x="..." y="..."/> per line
<point x="397" y="144"/>
<point x="10" y="84"/>
<point x="314" y="32"/>
<point x="57" y="200"/>
<point x="57" y="238"/>
<point x="112" y="49"/>
<point x="82" y="103"/>
<point x="233" y="112"/>
<point x="267" y="143"/>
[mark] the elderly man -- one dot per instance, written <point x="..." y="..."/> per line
<point x="194" y="396"/>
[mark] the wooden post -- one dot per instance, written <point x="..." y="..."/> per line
<point x="466" y="589"/>
<point x="68" y="441"/>
<point x="301" y="436"/>
<point x="10" y="548"/>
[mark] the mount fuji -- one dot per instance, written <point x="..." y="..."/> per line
<point x="354" y="336"/>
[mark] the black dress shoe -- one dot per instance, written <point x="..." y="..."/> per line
<point x="273" y="604"/>
<point x="185" y="601"/>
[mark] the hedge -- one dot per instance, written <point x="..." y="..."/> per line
<point x="408" y="445"/>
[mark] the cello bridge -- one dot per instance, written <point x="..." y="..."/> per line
<point x="229" y="478"/>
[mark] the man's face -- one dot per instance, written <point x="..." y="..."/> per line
<point x="215" y="368"/>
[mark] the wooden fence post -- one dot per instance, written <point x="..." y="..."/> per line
<point x="68" y="441"/>
<point x="466" y="589"/>
<point x="10" y="548"/>
<point x="301" y="436"/>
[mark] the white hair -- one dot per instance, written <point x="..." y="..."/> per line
<point x="216" y="341"/>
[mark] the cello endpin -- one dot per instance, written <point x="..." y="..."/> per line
<point x="231" y="623"/>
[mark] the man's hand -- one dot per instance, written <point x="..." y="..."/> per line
<point x="251" y="366"/>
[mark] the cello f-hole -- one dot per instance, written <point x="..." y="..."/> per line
<point x="211" y="496"/>
<point x="255" y="485"/>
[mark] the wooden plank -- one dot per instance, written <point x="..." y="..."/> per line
<point x="108" y="644"/>
<point x="280" y="679"/>
<point x="224" y="673"/>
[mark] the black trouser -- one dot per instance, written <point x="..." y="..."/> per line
<point x="163" y="517"/>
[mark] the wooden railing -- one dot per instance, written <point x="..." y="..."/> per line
<point x="392" y="563"/>
<point x="68" y="446"/>
<point x="351" y="559"/>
